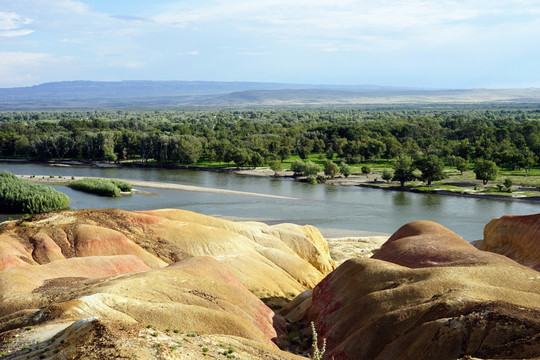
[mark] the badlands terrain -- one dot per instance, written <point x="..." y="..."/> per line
<point x="172" y="284"/>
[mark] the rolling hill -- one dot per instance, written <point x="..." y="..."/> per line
<point x="206" y="94"/>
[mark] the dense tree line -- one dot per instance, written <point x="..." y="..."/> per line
<point x="20" y="196"/>
<point x="509" y="137"/>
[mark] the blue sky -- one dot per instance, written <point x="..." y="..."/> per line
<point x="433" y="44"/>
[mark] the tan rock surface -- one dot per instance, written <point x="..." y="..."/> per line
<point x="517" y="237"/>
<point x="425" y="244"/>
<point x="196" y="296"/>
<point x="98" y="339"/>
<point x="170" y="269"/>
<point x="342" y="249"/>
<point x="272" y="261"/>
<point x="449" y="301"/>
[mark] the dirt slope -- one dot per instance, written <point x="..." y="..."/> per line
<point x="427" y="295"/>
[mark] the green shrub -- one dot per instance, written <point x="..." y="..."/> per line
<point x="508" y="184"/>
<point x="312" y="179"/>
<point x="17" y="195"/>
<point x="298" y="166"/>
<point x="102" y="187"/>
<point x="122" y="185"/>
<point x="387" y="175"/>
<point x="311" y="168"/>
<point x="366" y="170"/>
<point x="345" y="169"/>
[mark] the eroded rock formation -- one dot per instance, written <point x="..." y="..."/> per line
<point x="272" y="261"/>
<point x="426" y="294"/>
<point x="173" y="284"/>
<point x="517" y="237"/>
<point x="142" y="284"/>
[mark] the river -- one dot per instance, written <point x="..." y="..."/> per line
<point x="325" y="206"/>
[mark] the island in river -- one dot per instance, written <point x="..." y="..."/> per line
<point x="350" y="208"/>
<point x="525" y="187"/>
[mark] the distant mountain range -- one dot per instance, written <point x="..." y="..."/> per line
<point x="207" y="94"/>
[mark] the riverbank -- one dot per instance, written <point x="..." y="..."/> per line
<point x="466" y="192"/>
<point x="451" y="187"/>
<point x="462" y="185"/>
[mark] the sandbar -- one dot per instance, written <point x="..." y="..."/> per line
<point x="46" y="179"/>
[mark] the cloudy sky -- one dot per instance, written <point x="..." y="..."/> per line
<point x="434" y="44"/>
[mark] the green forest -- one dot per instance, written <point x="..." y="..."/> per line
<point x="456" y="136"/>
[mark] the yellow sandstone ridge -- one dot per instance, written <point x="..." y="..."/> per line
<point x="102" y="283"/>
<point x="515" y="236"/>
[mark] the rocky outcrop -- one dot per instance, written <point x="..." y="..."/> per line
<point x="144" y="284"/>
<point x="144" y="314"/>
<point x="426" y="294"/>
<point x="98" y="339"/>
<point x="195" y="295"/>
<point x="517" y="237"/>
<point x="428" y="244"/>
<point x="283" y="260"/>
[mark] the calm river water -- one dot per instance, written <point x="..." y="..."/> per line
<point x="325" y="206"/>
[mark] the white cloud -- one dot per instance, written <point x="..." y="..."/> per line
<point x="71" y="17"/>
<point x="11" y="25"/>
<point x="14" y="33"/>
<point x="24" y="67"/>
<point x="12" y="21"/>
<point x="353" y="33"/>
<point x="350" y="22"/>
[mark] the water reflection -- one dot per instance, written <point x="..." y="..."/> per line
<point x="432" y="201"/>
<point x="401" y="199"/>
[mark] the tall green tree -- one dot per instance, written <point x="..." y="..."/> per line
<point x="345" y="169"/>
<point x="403" y="169"/>
<point x="304" y="147"/>
<point x="105" y="143"/>
<point x="276" y="166"/>
<point x="331" y="169"/>
<point x="432" y="168"/>
<point x="461" y="164"/>
<point x="485" y="170"/>
<point x="256" y="159"/>
<point x="241" y="157"/>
